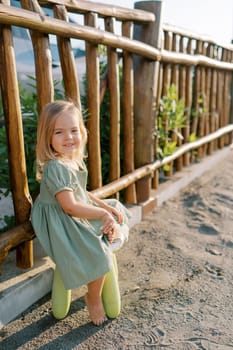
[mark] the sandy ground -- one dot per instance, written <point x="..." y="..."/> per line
<point x="176" y="281"/>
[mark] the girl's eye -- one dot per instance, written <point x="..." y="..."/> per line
<point x="57" y="132"/>
<point x="76" y="131"/>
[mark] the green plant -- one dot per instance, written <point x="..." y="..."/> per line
<point x="28" y="100"/>
<point x="199" y="110"/>
<point x="29" y="111"/>
<point x="171" y="119"/>
<point x="9" y="223"/>
<point x="192" y="137"/>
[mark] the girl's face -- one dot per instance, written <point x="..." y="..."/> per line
<point x="66" y="137"/>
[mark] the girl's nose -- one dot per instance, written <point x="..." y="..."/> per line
<point x="68" y="135"/>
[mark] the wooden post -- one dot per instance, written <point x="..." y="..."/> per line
<point x="229" y="118"/>
<point x="199" y="94"/>
<point x="188" y="103"/>
<point x="93" y="102"/>
<point x="226" y="95"/>
<point x="167" y="66"/>
<point x="219" y="103"/>
<point x="114" y="97"/>
<point x="202" y="119"/>
<point x="155" y="179"/>
<point x="212" y="99"/>
<point x="43" y="59"/>
<point x="145" y="82"/>
<point x="231" y="94"/>
<point x="175" y="68"/>
<point x="128" y="133"/>
<point x="69" y="72"/>
<point x="197" y="87"/>
<point x="13" y="119"/>
<point x="182" y="81"/>
<point x="167" y="81"/>
<point x="231" y="107"/>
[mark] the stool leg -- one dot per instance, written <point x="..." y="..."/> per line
<point x="111" y="293"/>
<point x="61" y="297"/>
<point x="115" y="264"/>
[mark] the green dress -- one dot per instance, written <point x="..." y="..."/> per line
<point x="77" y="246"/>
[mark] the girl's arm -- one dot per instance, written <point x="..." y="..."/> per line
<point x="107" y="207"/>
<point x="83" y="210"/>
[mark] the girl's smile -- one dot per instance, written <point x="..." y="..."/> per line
<point x="66" y="138"/>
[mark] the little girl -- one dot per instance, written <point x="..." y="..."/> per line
<point x="74" y="227"/>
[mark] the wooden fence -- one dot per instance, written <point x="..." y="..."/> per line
<point x="151" y="56"/>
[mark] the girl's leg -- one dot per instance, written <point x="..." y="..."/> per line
<point x="94" y="301"/>
<point x="61" y="297"/>
<point x="111" y="292"/>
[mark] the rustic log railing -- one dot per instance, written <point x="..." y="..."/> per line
<point x="153" y="56"/>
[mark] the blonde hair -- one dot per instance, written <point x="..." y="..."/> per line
<point x="46" y="123"/>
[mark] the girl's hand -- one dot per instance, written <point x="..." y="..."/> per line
<point x="107" y="207"/>
<point x="109" y="226"/>
<point x="115" y="213"/>
<point x="110" y="235"/>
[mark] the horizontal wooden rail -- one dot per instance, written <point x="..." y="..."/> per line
<point x="194" y="60"/>
<point x="24" y="232"/>
<point x="118" y="12"/>
<point x="14" y="237"/>
<point x="27" y="19"/>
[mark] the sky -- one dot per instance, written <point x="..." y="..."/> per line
<point x="213" y="18"/>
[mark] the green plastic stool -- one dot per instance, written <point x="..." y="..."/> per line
<point x="111" y="293"/>
<point x="61" y="297"/>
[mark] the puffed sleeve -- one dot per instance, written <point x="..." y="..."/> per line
<point x="58" y="177"/>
